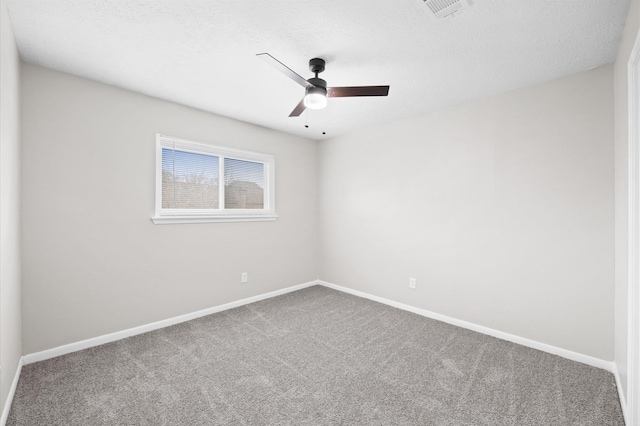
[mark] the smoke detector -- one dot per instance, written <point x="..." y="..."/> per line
<point x="444" y="8"/>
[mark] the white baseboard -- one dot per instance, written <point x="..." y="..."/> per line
<point x="112" y="337"/>
<point x="565" y="353"/>
<point x="623" y="401"/>
<point x="12" y="392"/>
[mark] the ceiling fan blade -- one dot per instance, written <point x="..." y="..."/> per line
<point x="299" y="109"/>
<point x="284" y="69"/>
<point x="347" y="92"/>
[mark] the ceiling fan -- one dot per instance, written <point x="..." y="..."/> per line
<point x="316" y="90"/>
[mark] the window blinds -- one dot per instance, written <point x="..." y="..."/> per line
<point x="189" y="180"/>
<point x="243" y="184"/>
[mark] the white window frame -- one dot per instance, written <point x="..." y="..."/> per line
<point x="169" y="216"/>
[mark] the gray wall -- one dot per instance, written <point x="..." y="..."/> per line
<point x="621" y="187"/>
<point x="503" y="209"/>
<point x="10" y="346"/>
<point x="93" y="263"/>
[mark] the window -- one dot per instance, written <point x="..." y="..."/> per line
<point x="197" y="182"/>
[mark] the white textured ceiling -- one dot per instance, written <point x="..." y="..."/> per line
<point x="201" y="53"/>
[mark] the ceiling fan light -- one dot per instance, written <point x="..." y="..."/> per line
<point x="315" y="98"/>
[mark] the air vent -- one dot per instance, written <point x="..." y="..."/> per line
<point x="443" y="8"/>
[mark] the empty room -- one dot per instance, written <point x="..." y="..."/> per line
<point x="386" y="212"/>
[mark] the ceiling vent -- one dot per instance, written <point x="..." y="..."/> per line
<point x="444" y="8"/>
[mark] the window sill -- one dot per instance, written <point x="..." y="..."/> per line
<point x="169" y="220"/>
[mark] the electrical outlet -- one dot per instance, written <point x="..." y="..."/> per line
<point x="245" y="277"/>
<point x="412" y="283"/>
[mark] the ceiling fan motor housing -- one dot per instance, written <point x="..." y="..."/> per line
<point x="318" y="82"/>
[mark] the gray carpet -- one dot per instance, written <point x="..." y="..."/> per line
<point x="314" y="357"/>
